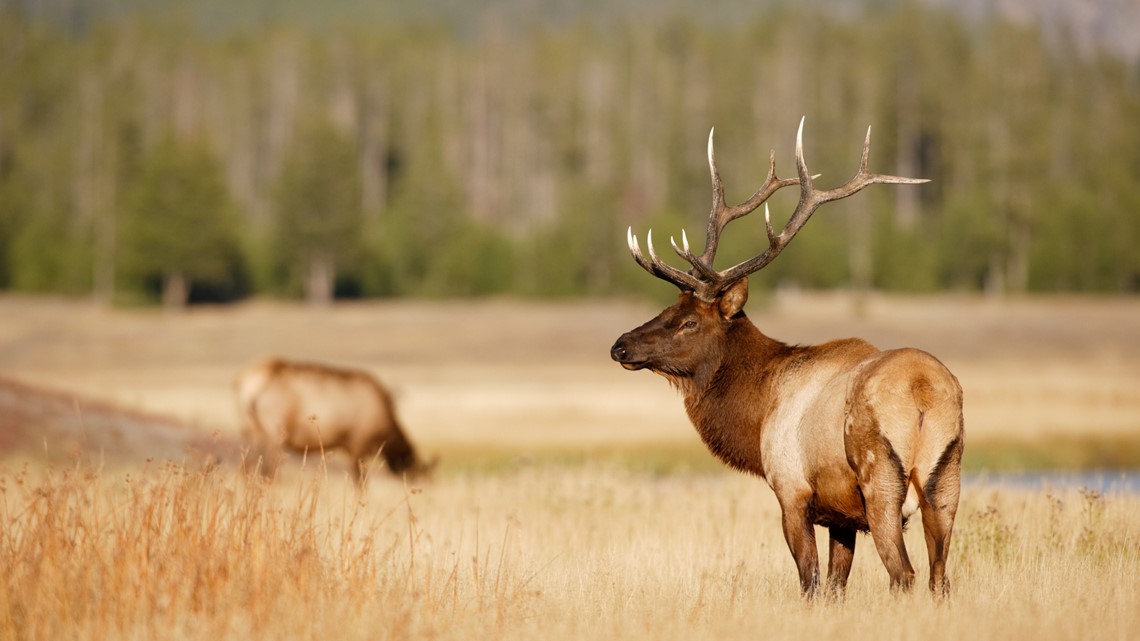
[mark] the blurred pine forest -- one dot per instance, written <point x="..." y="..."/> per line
<point x="208" y="151"/>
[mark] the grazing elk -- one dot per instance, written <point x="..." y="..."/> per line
<point x="306" y="407"/>
<point x="848" y="436"/>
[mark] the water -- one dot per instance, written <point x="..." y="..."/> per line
<point x="1103" y="481"/>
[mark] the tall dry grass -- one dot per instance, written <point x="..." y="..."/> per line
<point x="170" y="552"/>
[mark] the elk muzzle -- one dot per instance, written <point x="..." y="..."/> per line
<point x="623" y="352"/>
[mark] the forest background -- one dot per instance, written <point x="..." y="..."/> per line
<point x="210" y="151"/>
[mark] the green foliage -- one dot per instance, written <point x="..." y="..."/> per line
<point x="178" y="220"/>
<point x="970" y="236"/>
<point x="412" y="154"/>
<point x="317" y="202"/>
<point x="318" y="194"/>
<point x="52" y="254"/>
<point x="905" y="260"/>
<point x="14" y="206"/>
<point x="424" y="246"/>
<point x="578" y="253"/>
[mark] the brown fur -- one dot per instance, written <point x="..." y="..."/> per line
<point x="306" y="407"/>
<point x="841" y="431"/>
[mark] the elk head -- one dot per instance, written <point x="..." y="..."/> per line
<point x="686" y="339"/>
<point x="689" y="337"/>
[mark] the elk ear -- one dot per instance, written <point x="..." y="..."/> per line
<point x="733" y="298"/>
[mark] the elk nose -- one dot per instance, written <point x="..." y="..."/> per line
<point x="618" y="352"/>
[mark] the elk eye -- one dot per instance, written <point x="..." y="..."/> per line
<point x="689" y="324"/>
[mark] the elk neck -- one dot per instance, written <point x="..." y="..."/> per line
<point x="730" y="400"/>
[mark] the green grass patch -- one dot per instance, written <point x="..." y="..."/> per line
<point x="661" y="459"/>
<point x="1053" y="453"/>
<point x="1069" y="453"/>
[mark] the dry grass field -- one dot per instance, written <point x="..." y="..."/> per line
<point x="547" y="552"/>
<point x="572" y="501"/>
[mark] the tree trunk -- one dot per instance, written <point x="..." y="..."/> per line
<point x="104" y="268"/>
<point x="320" y="280"/>
<point x="995" y="275"/>
<point x="860" y="253"/>
<point x="597" y="89"/>
<point x="94" y="184"/>
<point x="1020" y="243"/>
<point x="373" y="140"/>
<point x="861" y="223"/>
<point x="175" y="291"/>
<point x="907" y="133"/>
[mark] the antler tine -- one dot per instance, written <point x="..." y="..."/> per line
<point x="805" y="207"/>
<point x="863" y="178"/>
<point x="707" y="283"/>
<point x="881" y="178"/>
<point x="656" y="266"/>
<point x="721" y="214"/>
<point x="768" y="225"/>
<point x="705" y="270"/>
<point x="669" y="272"/>
<point x="717" y="185"/>
<point x="682" y="251"/>
<point x="715" y="224"/>
<point x="810" y="200"/>
<point x="865" y="157"/>
<point x="635" y="250"/>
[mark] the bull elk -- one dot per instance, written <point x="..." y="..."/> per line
<point x="308" y="408"/>
<point x="848" y="436"/>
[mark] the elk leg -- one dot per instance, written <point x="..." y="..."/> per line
<point x="936" y="525"/>
<point x="799" y="532"/>
<point x="884" y="516"/>
<point x="939" y="506"/>
<point x="841" y="553"/>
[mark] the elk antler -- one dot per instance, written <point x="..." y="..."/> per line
<point x="704" y="280"/>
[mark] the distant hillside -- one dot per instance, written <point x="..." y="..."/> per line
<point x="60" y="426"/>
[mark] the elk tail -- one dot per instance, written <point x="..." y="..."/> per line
<point x="922" y="391"/>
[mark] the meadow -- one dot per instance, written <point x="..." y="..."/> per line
<point x="172" y="552"/>
<point x="572" y="499"/>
